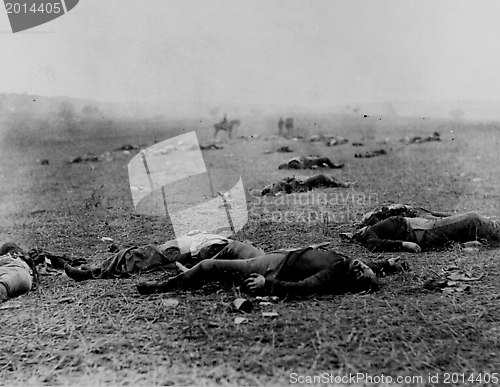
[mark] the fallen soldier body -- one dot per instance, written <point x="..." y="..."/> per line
<point x="17" y="272"/>
<point x="309" y="162"/>
<point x="281" y="149"/>
<point x="419" y="140"/>
<point x="211" y="147"/>
<point x="299" y="272"/>
<point x="336" y="141"/>
<point x="303" y="184"/>
<point x="399" y="233"/>
<point x="135" y="260"/>
<point x="369" y="154"/>
<point x="387" y="210"/>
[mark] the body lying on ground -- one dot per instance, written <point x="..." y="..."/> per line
<point x="17" y="271"/>
<point x="281" y="149"/>
<point x="419" y="140"/>
<point x="211" y="147"/>
<point x="399" y="233"/>
<point x="139" y="259"/>
<point x="387" y="210"/>
<point x="309" y="162"/>
<point x="369" y="154"/>
<point x="297" y="272"/>
<point x="303" y="184"/>
<point x="336" y="141"/>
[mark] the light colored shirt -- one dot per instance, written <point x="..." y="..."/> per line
<point x="420" y="223"/>
<point x="419" y="226"/>
<point x="194" y="241"/>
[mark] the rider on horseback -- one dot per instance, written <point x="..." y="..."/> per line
<point x="226" y="126"/>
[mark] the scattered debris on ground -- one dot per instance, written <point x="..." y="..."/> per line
<point x="170" y="302"/>
<point x="242" y="305"/>
<point x="452" y="280"/>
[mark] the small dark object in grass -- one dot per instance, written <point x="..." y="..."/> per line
<point x="84" y="159"/>
<point x="113" y="248"/>
<point x="242" y="305"/>
<point x="127" y="147"/>
<point x="211" y="147"/>
<point x="40" y="256"/>
<point x="435" y="284"/>
<point x="284" y="149"/>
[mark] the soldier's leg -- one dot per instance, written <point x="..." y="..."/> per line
<point x="322" y="161"/>
<point x="3" y="293"/>
<point x="462" y="228"/>
<point x="323" y="181"/>
<point x="238" y="250"/>
<point x="215" y="270"/>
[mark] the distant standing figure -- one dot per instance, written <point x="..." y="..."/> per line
<point x="281" y="125"/>
<point x="289" y="125"/>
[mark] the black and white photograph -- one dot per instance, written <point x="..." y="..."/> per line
<point x="249" y="192"/>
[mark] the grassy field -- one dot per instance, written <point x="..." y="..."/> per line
<point x="103" y="332"/>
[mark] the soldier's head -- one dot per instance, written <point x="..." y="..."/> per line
<point x="359" y="233"/>
<point x="172" y="254"/>
<point x="361" y="277"/>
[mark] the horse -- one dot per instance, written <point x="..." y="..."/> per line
<point x="226" y="126"/>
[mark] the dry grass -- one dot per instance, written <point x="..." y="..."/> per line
<point x="104" y="333"/>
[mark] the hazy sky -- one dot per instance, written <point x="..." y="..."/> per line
<point x="287" y="52"/>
